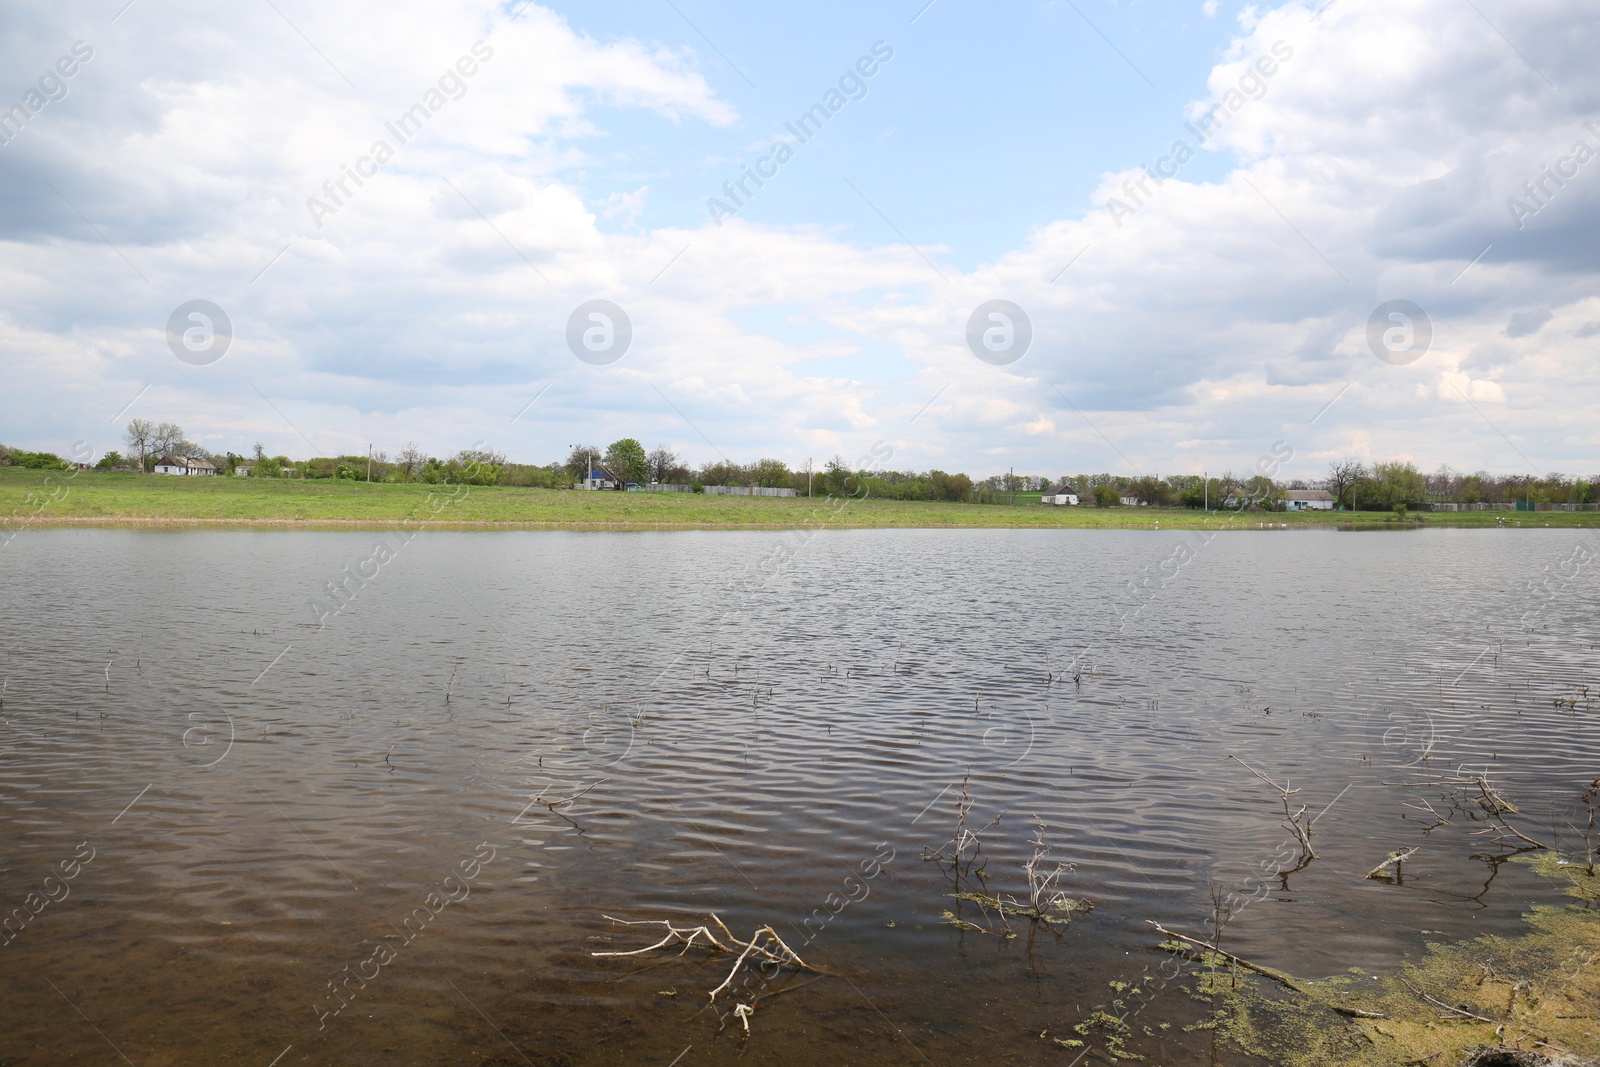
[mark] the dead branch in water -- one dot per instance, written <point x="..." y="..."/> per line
<point x="1479" y="799"/>
<point x="1296" y="821"/>
<point x="958" y="858"/>
<point x="962" y="859"/>
<point x="1463" y="1013"/>
<point x="1275" y="975"/>
<point x="554" y="804"/>
<point x="687" y="935"/>
<point x="1395" y="859"/>
<point x="1046" y="902"/>
<point x="764" y="945"/>
<point x="1267" y="972"/>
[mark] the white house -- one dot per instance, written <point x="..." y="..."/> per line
<point x="1062" y="495"/>
<point x="243" y="470"/>
<point x="1307" y="500"/>
<point x="184" y="465"/>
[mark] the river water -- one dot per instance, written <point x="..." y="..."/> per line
<point x="242" y="821"/>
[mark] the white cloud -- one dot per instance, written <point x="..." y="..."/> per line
<point x="1222" y="316"/>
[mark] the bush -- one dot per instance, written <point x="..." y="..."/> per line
<point x="37" y="460"/>
<point x="1106" y="496"/>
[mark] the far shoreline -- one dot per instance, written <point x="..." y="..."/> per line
<point x="177" y="523"/>
<point x="89" y="499"/>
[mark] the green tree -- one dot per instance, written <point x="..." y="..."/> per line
<point x="1397" y="483"/>
<point x="949" y="486"/>
<point x="772" y="473"/>
<point x="1262" y="492"/>
<point x="1106" y="496"/>
<point x="628" y="461"/>
<point x="1152" y="491"/>
<point x="480" y="466"/>
<point x="109" y="460"/>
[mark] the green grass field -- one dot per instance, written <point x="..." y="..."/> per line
<point x="95" y="497"/>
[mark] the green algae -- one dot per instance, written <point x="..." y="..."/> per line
<point x="1539" y="990"/>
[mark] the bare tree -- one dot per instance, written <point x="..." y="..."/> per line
<point x="1342" y="474"/>
<point x="411" y="460"/>
<point x="662" y="463"/>
<point x="583" y="459"/>
<point x="260" y="450"/>
<point x="166" y="439"/>
<point x="185" y="447"/>
<point x="1443" y="482"/>
<point x="141" y="433"/>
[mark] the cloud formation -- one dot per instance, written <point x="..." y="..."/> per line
<point x="430" y="301"/>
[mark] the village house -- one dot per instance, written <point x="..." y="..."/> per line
<point x="184" y="465"/>
<point x="1062" y="495"/>
<point x="1307" y="500"/>
<point x="599" y="478"/>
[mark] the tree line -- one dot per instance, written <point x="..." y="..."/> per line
<point x="1354" y="484"/>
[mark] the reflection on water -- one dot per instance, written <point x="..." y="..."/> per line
<point x="326" y="807"/>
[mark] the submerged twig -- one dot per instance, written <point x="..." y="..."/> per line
<point x="1469" y="790"/>
<point x="764" y="945"/>
<point x="1295" y="819"/>
<point x="1275" y="975"/>
<point x="1394" y="859"/>
<point x="554" y="804"/>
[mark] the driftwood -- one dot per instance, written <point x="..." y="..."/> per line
<point x="1499" y="1027"/>
<point x="1477" y="789"/>
<point x="1395" y="859"/>
<point x="1268" y="972"/>
<point x="772" y="950"/>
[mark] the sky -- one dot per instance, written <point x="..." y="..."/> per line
<point x="1061" y="237"/>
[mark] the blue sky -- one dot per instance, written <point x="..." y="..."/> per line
<point x="984" y="124"/>
<point x="1363" y="154"/>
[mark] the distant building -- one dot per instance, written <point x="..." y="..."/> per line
<point x="1307" y="500"/>
<point x="185" y="465"/>
<point x="599" y="478"/>
<point x="243" y="470"/>
<point x="1062" y="495"/>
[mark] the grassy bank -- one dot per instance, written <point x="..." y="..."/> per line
<point x="97" y="497"/>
